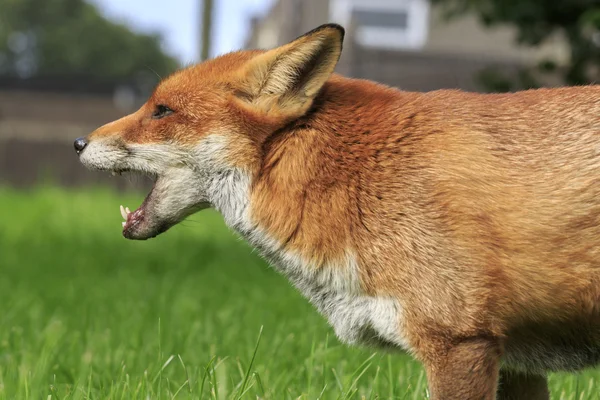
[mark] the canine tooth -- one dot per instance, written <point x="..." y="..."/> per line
<point x="123" y="213"/>
<point x="128" y="210"/>
<point x="113" y="173"/>
<point x="123" y="223"/>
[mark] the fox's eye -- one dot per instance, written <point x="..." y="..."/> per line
<point x="161" y="111"/>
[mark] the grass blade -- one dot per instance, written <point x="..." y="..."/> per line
<point x="245" y="382"/>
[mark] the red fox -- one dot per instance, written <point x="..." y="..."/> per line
<point x="463" y="228"/>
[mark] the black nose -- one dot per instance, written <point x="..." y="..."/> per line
<point x="80" y="144"/>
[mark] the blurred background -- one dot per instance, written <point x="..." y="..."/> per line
<point x="86" y="314"/>
<point x="68" y="66"/>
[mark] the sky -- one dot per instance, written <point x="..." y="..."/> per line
<point x="179" y="22"/>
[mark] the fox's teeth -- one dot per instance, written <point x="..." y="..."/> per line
<point x="123" y="223"/>
<point x="113" y="173"/>
<point x="124" y="213"/>
<point x="128" y="211"/>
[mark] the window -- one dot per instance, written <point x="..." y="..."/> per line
<point x="398" y="19"/>
<point x="400" y="24"/>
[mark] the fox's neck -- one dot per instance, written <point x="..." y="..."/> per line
<point x="306" y="195"/>
<point x="226" y="187"/>
<point x="304" y="230"/>
<point x="229" y="194"/>
<point x="278" y="200"/>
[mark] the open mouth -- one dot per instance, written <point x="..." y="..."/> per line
<point x="176" y="193"/>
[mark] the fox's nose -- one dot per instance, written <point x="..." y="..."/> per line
<point x="80" y="144"/>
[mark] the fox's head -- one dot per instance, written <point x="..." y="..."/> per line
<point x="205" y="125"/>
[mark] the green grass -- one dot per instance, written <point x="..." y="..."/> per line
<point x="87" y="314"/>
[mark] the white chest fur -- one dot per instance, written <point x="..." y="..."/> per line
<point x="335" y="291"/>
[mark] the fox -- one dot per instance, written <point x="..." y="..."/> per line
<point x="462" y="228"/>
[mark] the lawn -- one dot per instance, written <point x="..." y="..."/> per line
<point x="193" y="313"/>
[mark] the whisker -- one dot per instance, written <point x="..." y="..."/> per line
<point x="155" y="73"/>
<point x="192" y="221"/>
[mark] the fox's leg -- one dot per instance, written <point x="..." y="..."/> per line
<point x="520" y="386"/>
<point x="465" y="371"/>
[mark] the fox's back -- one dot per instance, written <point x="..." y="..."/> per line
<point x="499" y="188"/>
<point x="502" y="188"/>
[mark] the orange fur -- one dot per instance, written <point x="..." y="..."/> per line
<point x="479" y="213"/>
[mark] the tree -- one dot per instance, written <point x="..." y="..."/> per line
<point x="63" y="37"/>
<point x="207" y="17"/>
<point x="536" y="20"/>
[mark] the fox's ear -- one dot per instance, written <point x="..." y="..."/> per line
<point x="286" y="79"/>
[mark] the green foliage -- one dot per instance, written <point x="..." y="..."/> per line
<point x="90" y="315"/>
<point x="192" y="314"/>
<point x="62" y="37"/>
<point x="578" y="21"/>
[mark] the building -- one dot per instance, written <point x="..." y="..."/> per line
<point x="41" y="117"/>
<point x="404" y="43"/>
